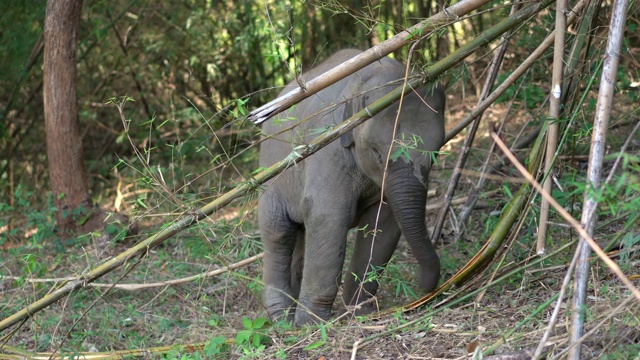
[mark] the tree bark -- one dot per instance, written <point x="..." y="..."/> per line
<point x="64" y="144"/>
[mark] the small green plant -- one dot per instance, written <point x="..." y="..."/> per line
<point x="629" y="242"/>
<point x="177" y="354"/>
<point x="319" y="343"/>
<point x="42" y="220"/>
<point x="216" y="346"/>
<point x="252" y="340"/>
<point x="405" y="144"/>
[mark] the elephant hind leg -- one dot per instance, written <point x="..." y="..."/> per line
<point x="279" y="235"/>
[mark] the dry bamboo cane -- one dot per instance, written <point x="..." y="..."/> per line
<point x="554" y="113"/>
<point x="598" y="142"/>
<point x="375" y="53"/>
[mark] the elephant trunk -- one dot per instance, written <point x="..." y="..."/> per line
<point x="407" y="196"/>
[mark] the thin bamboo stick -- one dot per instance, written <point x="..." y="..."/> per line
<point x="554" y="113"/>
<point x="598" y="142"/>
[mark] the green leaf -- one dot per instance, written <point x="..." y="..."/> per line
<point x="243" y="336"/>
<point x="259" y="323"/>
<point x="246" y="322"/>
<point x="315" y="345"/>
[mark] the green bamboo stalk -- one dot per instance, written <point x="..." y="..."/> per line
<point x="298" y="154"/>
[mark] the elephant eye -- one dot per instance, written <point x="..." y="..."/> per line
<point x="376" y="154"/>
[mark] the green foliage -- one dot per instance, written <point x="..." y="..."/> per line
<point x="178" y="354"/>
<point x="216" y="346"/>
<point x="530" y="95"/>
<point x="412" y="143"/>
<point x="403" y="287"/>
<point x="252" y="340"/>
<point x="629" y="241"/>
<point x="22" y="24"/>
<point x="42" y="222"/>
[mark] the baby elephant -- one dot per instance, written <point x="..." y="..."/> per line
<point x="306" y="212"/>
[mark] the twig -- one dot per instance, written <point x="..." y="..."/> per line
<point x="510" y="332"/>
<point x="556" y="309"/>
<point x="598" y="141"/>
<point x="595" y="328"/>
<point x="573" y="222"/>
<point x="133" y="287"/>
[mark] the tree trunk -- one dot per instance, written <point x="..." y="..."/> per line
<point x="64" y="143"/>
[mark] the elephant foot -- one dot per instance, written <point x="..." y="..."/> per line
<point x="304" y="317"/>
<point x="307" y="314"/>
<point x="280" y="306"/>
<point x="281" y="314"/>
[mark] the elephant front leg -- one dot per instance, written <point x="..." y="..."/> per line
<point x="326" y="235"/>
<point x="367" y="263"/>
<point x="279" y="238"/>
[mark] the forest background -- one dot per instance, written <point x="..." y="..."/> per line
<point x="162" y="92"/>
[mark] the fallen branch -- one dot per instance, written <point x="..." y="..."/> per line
<point x="132" y="287"/>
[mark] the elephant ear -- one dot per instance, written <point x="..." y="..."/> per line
<point x="347" y="139"/>
<point x="341" y="114"/>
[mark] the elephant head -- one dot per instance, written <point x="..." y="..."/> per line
<point x="419" y="134"/>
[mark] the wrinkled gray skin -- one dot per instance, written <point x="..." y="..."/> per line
<point x="306" y="212"/>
